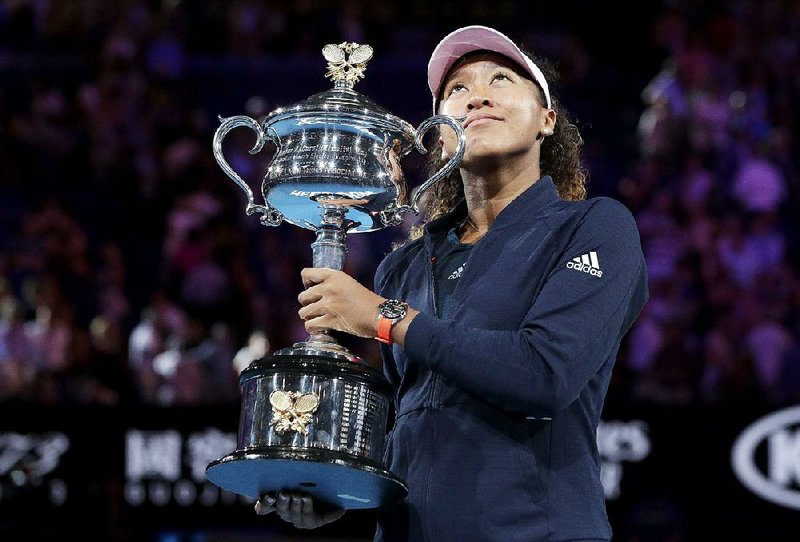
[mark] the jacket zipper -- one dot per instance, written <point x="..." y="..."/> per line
<point x="431" y="261"/>
<point x="435" y="379"/>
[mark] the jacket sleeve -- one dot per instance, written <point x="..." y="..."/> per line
<point x="574" y="325"/>
<point x="387" y="358"/>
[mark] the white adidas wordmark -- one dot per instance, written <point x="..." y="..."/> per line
<point x="457" y="273"/>
<point x="587" y="263"/>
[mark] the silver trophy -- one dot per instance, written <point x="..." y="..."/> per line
<point x="314" y="415"/>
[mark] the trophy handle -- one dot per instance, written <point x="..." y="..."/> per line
<point x="271" y="216"/>
<point x="393" y="216"/>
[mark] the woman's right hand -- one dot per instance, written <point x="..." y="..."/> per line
<point x="298" y="509"/>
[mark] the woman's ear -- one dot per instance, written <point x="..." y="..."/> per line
<point x="549" y="123"/>
<point x="445" y="156"/>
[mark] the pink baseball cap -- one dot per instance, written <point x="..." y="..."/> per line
<point x="476" y="38"/>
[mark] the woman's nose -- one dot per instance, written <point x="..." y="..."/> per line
<point x="478" y="101"/>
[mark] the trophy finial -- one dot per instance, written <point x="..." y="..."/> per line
<point x="346" y="62"/>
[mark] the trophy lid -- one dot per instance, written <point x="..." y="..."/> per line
<point x="346" y="65"/>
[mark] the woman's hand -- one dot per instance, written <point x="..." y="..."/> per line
<point x="298" y="509"/>
<point x="335" y="300"/>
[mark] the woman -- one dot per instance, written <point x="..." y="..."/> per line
<point x="504" y="318"/>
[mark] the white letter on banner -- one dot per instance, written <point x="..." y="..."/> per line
<point x="153" y="454"/>
<point x="784" y="457"/>
<point x="774" y="432"/>
<point x="204" y="447"/>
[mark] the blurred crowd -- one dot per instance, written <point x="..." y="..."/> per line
<point x="716" y="193"/>
<point x="130" y="273"/>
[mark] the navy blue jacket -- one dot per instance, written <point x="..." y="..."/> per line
<point x="497" y="410"/>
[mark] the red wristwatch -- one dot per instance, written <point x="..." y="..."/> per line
<point x="390" y="312"/>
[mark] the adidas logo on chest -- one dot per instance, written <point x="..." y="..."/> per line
<point x="587" y="263"/>
<point x="457" y="273"/>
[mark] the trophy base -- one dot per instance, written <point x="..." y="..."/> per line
<point x="329" y="478"/>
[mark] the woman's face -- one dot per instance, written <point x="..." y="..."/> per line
<point x="504" y="121"/>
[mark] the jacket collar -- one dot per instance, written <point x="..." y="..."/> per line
<point x="529" y="203"/>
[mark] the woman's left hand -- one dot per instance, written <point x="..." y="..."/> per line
<point x="335" y="300"/>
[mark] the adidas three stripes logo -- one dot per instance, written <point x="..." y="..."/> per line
<point x="587" y="263"/>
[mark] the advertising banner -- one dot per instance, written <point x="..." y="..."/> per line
<point x="669" y="473"/>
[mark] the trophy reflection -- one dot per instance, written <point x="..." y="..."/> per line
<point x="314" y="415"/>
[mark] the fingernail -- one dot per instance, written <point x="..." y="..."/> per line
<point x="258" y="507"/>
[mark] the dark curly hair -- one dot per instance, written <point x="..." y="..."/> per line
<point x="560" y="159"/>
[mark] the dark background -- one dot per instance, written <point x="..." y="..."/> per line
<point x="130" y="276"/>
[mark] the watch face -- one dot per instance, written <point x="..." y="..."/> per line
<point x="393" y="309"/>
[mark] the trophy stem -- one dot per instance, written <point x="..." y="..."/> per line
<point x="329" y="248"/>
<point x="328" y="251"/>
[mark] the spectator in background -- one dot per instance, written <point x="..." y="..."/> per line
<point x="750" y="246"/>
<point x="727" y="374"/>
<point x="758" y="185"/>
<point x="766" y="341"/>
<point x="16" y="371"/>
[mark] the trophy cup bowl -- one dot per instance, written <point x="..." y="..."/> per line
<point x="314" y="415"/>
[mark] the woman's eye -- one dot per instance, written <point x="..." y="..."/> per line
<point x="457" y="87"/>
<point x="500" y="76"/>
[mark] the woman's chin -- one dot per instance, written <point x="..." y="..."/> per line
<point x="481" y="157"/>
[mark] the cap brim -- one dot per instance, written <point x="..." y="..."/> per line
<point x="477" y="38"/>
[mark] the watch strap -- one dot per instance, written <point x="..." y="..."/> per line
<point x="385" y="329"/>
